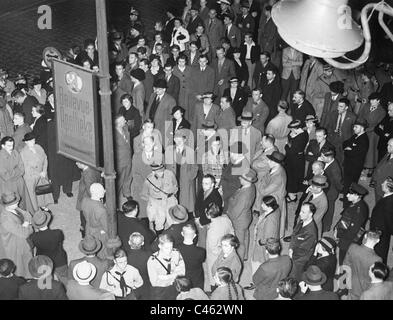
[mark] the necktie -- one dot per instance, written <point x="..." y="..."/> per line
<point x="122" y="282"/>
<point x="226" y="32"/>
<point x="210" y="24"/>
<point x="338" y="126"/>
<point x="174" y="32"/>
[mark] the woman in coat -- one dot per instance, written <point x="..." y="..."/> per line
<point x="267" y="226"/>
<point x="36" y="166"/>
<point x="178" y="123"/>
<point x="325" y="258"/>
<point x="373" y="113"/>
<point x="295" y="161"/>
<point x="15" y="229"/>
<point x="241" y="69"/>
<point x="40" y="126"/>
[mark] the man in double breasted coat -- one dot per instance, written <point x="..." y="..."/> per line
<point x="214" y="30"/>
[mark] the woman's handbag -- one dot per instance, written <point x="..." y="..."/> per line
<point x="43" y="187"/>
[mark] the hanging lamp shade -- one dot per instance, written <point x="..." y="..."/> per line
<point x="320" y="28"/>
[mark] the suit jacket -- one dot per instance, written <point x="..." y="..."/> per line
<point x="359" y="258"/>
<point x="321" y="203"/>
<point x="292" y="61"/>
<point x="227" y="72"/>
<point x="260" y="114"/>
<point x="246" y="24"/>
<point x="334" y="176"/>
<point x="194" y="257"/>
<point x="126" y="226"/>
<point x="234" y="36"/>
<point x="192" y="24"/>
<point x="268" y="275"/>
<point x="309" y="76"/>
<point x="215" y="31"/>
<point x="239" y="207"/>
<point x="201" y="205"/>
<point x="19" y="135"/>
<point x="259" y="75"/>
<point x="255" y="52"/>
<point x="226" y="119"/>
<point x="300" y="113"/>
<point x="173" y="87"/>
<point x="271" y="94"/>
<point x="122" y="148"/>
<point x="238" y="101"/>
<point x="346" y="130"/>
<point x="88" y="177"/>
<point x="329" y="106"/>
<point x="163" y="112"/>
<point x="354" y="158"/>
<point x="32" y="291"/>
<point x="148" y="85"/>
<point x="199" y="116"/>
<point x="381" y="218"/>
<point x="241" y="70"/>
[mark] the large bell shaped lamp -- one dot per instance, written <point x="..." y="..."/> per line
<point x="325" y="28"/>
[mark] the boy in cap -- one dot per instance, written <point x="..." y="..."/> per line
<point x="353" y="218"/>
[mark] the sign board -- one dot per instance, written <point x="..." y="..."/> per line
<point x="76" y="112"/>
<point x="50" y="53"/>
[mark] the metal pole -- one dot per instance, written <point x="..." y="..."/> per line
<point x="106" y="115"/>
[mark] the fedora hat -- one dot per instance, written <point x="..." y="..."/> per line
<point x="36" y="263"/>
<point x="160" y="83"/>
<point x="246" y="115"/>
<point x="356" y="188"/>
<point x="90" y="245"/>
<point x="41" y="219"/>
<point x="155" y="166"/>
<point x="319" y="181"/>
<point x="209" y="125"/>
<point x="361" y="122"/>
<point x="250" y="176"/>
<point x="84" y="272"/>
<point x="314" y="276"/>
<point x="276" y="157"/>
<point x="9" y="198"/>
<point x="329" y="244"/>
<point x="310" y="117"/>
<point x="178" y="213"/>
<point x="295" y="124"/>
<point x="29" y="136"/>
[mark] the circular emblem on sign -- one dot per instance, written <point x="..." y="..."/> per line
<point x="49" y="53"/>
<point x="73" y="81"/>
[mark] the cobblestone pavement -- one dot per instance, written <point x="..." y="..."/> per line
<point x="74" y="21"/>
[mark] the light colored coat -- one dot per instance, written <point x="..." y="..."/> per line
<point x="292" y="61"/>
<point x="308" y="83"/>
<point x="278" y="127"/>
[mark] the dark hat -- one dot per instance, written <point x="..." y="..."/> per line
<point x="36" y="81"/>
<point x="314" y="276"/>
<point x="155" y="166"/>
<point x="9" y="198"/>
<point x="116" y="36"/>
<point x="295" y="124"/>
<point x="356" y="188"/>
<point x="178" y="213"/>
<point x="209" y="124"/>
<point x="329" y="244"/>
<point x="160" y="83"/>
<point x="319" y="181"/>
<point x="194" y="7"/>
<point x="36" y="263"/>
<point x="276" y="157"/>
<point x="310" y="117"/>
<point x="29" y="136"/>
<point x="337" y="87"/>
<point x="41" y="219"/>
<point x="234" y="79"/>
<point x="361" y="122"/>
<point x="208" y="95"/>
<point x="138" y="74"/>
<point x="245" y="4"/>
<point x="250" y="176"/>
<point x="178" y="108"/>
<point x="374" y="95"/>
<point x="246" y="115"/>
<point x="328" y="151"/>
<point x="238" y="148"/>
<point x="90" y="245"/>
<point x="7" y="266"/>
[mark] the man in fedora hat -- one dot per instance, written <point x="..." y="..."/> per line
<point x="15" y="229"/>
<point x="239" y="210"/>
<point x="95" y="214"/>
<point x="313" y="279"/>
<point x="247" y="134"/>
<point x="336" y="91"/>
<point x="339" y="124"/>
<point x="205" y="111"/>
<point x="49" y="243"/>
<point x="316" y="195"/>
<point x="89" y="246"/>
<point x="274" y="184"/>
<point x="81" y="289"/>
<point x="159" y="190"/>
<point x="160" y="106"/>
<point x="42" y="286"/>
<point x="259" y="109"/>
<point x="354" y="217"/>
<point x="237" y="166"/>
<point x="355" y="152"/>
<point x="180" y="158"/>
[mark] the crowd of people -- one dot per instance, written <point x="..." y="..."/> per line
<point x="223" y="134"/>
